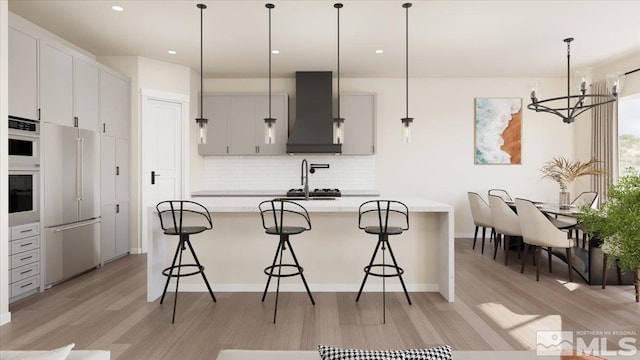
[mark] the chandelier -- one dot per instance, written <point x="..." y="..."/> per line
<point x="569" y="112"/>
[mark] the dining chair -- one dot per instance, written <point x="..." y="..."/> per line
<point x="481" y="214"/>
<point x="502" y="193"/>
<point x="539" y="232"/>
<point x="588" y="198"/>
<point x="505" y="222"/>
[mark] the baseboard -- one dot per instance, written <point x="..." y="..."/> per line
<point x="136" y="251"/>
<point x="300" y="288"/>
<point x="5" y="318"/>
<point x="464" y="236"/>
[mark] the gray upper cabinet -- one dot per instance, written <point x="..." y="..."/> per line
<point x="236" y="124"/>
<point x="23" y="75"/>
<point x="69" y="87"/>
<point x="359" y="112"/>
<point x="114" y="104"/>
<point x="86" y="94"/>
<point x="56" y="84"/>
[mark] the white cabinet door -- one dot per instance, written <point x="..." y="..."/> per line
<point x="122" y="229"/>
<point x="358" y="111"/>
<point x="86" y="91"/>
<point x="23" y="75"/>
<point x="108" y="232"/>
<point x="122" y="170"/>
<point x="279" y="104"/>
<point x="108" y="169"/>
<point x="56" y="85"/>
<point x="114" y="104"/>
<point x="242" y="125"/>
<point x="216" y="108"/>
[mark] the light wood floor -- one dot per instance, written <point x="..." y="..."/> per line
<point x="496" y="307"/>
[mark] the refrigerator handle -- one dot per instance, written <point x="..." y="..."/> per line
<point x="81" y="162"/>
<point x="76" y="225"/>
<point x="78" y="162"/>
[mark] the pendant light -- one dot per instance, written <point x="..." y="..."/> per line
<point x="569" y="112"/>
<point x="338" y="122"/>
<point x="406" y="121"/>
<point x="269" y="122"/>
<point x="201" y="121"/>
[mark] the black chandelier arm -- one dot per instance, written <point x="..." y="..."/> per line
<point x="573" y="112"/>
<point x="580" y="98"/>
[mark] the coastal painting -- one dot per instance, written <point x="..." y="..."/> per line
<point x="498" y="130"/>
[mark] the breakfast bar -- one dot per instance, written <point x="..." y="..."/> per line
<point x="333" y="254"/>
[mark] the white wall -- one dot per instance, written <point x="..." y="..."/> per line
<point x="439" y="163"/>
<point x="5" y="315"/>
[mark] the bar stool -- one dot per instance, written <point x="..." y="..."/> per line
<point x="383" y="209"/>
<point x="284" y="218"/>
<point x="174" y="220"/>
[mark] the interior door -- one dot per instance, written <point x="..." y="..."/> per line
<point x="161" y="155"/>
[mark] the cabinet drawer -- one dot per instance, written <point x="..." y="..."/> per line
<point x="24" y="258"/>
<point x="24" y="272"/>
<point x="27" y="244"/>
<point x="25" y="285"/>
<point x="23" y="231"/>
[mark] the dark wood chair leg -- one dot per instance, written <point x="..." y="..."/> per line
<point x="549" y="251"/>
<point x="475" y="237"/>
<point x="538" y="255"/>
<point x="524" y="257"/>
<point x="570" y="267"/>
<point x="604" y="270"/>
<point x="484" y="230"/>
<point x="507" y="243"/>
<point x="496" y="243"/>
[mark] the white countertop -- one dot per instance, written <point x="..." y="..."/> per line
<point x="343" y="204"/>
<point x="271" y="193"/>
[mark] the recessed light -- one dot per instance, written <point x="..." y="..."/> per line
<point x="275" y="52"/>
<point x="379" y="51"/>
<point x="172" y="52"/>
<point x="117" y="8"/>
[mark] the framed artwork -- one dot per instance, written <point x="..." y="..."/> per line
<point x="498" y="131"/>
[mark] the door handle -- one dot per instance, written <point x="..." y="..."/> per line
<point x="153" y="177"/>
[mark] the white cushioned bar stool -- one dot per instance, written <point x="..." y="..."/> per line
<point x="377" y="213"/>
<point x="183" y="218"/>
<point x="284" y="218"/>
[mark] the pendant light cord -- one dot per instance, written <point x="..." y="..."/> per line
<point x="202" y="7"/>
<point x="568" y="76"/>
<point x="270" y="7"/>
<point x="338" y="6"/>
<point x="407" y="6"/>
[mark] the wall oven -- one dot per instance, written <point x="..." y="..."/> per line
<point x="24" y="171"/>
<point x="24" y="143"/>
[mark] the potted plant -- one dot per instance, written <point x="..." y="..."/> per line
<point x="565" y="172"/>
<point x="617" y="223"/>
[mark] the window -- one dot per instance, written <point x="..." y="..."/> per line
<point x="629" y="133"/>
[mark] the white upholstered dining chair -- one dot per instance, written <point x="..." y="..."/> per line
<point x="481" y="214"/>
<point x="506" y="223"/>
<point x="539" y="232"/>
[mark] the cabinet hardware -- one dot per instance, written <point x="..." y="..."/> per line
<point x="25" y="285"/>
<point x="27" y="244"/>
<point x="75" y="121"/>
<point x="117" y="170"/>
<point x="26" y="258"/>
<point x="38" y="114"/>
<point x="26" y="231"/>
<point x="153" y="177"/>
<point x="117" y="208"/>
<point x="104" y="127"/>
<point x="26" y="271"/>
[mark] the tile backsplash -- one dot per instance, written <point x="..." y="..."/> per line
<point x="283" y="172"/>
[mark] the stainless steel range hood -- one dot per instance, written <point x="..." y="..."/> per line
<point x="313" y="129"/>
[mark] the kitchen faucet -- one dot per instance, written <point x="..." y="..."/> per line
<point x="304" y="174"/>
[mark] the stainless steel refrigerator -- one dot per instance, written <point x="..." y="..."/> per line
<point x="71" y="201"/>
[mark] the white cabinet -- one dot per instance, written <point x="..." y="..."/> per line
<point x="69" y="87"/>
<point x="236" y="124"/>
<point x="114" y="104"/>
<point x="114" y="194"/>
<point x="23" y="75"/>
<point x="359" y="113"/>
<point x="24" y="260"/>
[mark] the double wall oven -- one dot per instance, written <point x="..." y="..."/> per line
<point x="24" y="171"/>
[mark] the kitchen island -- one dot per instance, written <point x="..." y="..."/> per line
<point x="333" y="254"/>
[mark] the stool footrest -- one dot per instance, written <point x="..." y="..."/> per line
<point x="168" y="271"/>
<point x="398" y="270"/>
<point x="272" y="270"/>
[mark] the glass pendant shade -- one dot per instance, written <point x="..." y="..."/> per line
<point x="338" y="131"/>
<point x="615" y="82"/>
<point x="406" y="130"/>
<point x="535" y="87"/>
<point x="202" y="130"/>
<point x="582" y="79"/>
<point x="269" y="131"/>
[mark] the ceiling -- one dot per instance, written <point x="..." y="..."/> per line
<point x="446" y="38"/>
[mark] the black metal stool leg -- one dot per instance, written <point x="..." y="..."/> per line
<point x="275" y="309"/>
<point x="173" y="264"/>
<point x="384" y="284"/>
<point x="275" y="258"/>
<point x="200" y="267"/>
<point x="175" y="298"/>
<point x="406" y="293"/>
<point x="366" y="274"/>
<point x="304" y="281"/>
